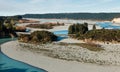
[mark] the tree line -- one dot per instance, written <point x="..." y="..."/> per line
<point x="83" y="16"/>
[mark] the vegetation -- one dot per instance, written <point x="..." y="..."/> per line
<point x="78" y="28"/>
<point x="84" y="16"/>
<point x="94" y="27"/>
<point x="103" y="35"/>
<point x="7" y="27"/>
<point x="110" y="35"/>
<point x="38" y="37"/>
<point x="45" y="25"/>
<point x="89" y="46"/>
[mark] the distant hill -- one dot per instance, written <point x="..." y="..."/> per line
<point x="86" y="16"/>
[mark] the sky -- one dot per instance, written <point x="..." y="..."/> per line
<point x="20" y="7"/>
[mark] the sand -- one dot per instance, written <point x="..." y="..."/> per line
<point x="12" y="50"/>
<point x="116" y="20"/>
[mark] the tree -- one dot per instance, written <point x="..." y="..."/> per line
<point x="12" y="22"/>
<point x="94" y="27"/>
<point x="85" y="28"/>
<point x="78" y="28"/>
<point x="1" y="23"/>
<point x="71" y="29"/>
<point x="7" y="25"/>
<point x="85" y="24"/>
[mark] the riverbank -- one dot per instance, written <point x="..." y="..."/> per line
<point x="8" y="64"/>
<point x="13" y="50"/>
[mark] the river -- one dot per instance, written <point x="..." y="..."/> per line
<point x="10" y="65"/>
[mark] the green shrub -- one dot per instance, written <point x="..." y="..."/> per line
<point x="94" y="27"/>
<point x="78" y="28"/>
<point x="80" y="31"/>
<point x="39" y="37"/>
<point x="103" y="35"/>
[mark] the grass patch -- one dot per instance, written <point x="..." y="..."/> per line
<point x="89" y="46"/>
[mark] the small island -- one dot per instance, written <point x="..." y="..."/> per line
<point x="81" y="32"/>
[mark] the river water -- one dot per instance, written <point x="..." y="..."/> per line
<point x="10" y="65"/>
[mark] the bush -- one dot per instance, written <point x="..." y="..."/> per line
<point x="78" y="28"/>
<point x="24" y="38"/>
<point x="103" y="35"/>
<point x="39" y="37"/>
<point x="94" y="27"/>
<point x="80" y="31"/>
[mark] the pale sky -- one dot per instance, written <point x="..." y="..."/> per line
<point x="15" y="7"/>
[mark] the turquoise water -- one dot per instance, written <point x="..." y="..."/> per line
<point x="107" y="25"/>
<point x="62" y="32"/>
<point x="9" y="65"/>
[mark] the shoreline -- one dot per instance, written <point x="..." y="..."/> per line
<point x="14" y="61"/>
<point x="22" y="61"/>
<point x="52" y="64"/>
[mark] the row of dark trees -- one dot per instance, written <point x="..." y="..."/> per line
<point x="84" y="16"/>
